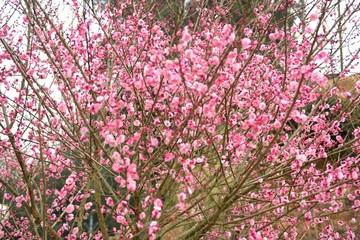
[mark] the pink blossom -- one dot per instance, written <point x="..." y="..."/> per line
<point x="154" y="142"/>
<point x="339" y="139"/>
<point x="277" y="124"/>
<point x="117" y="167"/>
<point x="88" y="205"/>
<point x="246" y="43"/>
<point x="142" y="216"/>
<point x="200" y="87"/>
<point x="155" y="214"/>
<point x="7" y="196"/>
<point x="95" y="107"/>
<point x="140" y="224"/>
<point x="248" y="32"/>
<point x="293" y="86"/>
<point x="131" y="185"/>
<point x="68" y="72"/>
<point x="186" y="37"/>
<point x="262" y="106"/>
<point x="83" y="130"/>
<point x="137" y="123"/>
<point x="273" y="36"/>
<point x="253" y="235"/>
<point x="109" y="201"/>
<point x="70" y="180"/>
<point x="121" y="219"/>
<point x="319" y="78"/>
<point x="110" y="140"/>
<point x="132" y="172"/>
<point x="313" y="17"/>
<point x="62" y="107"/>
<point x="351" y="197"/>
<point x="69" y="209"/>
<point x="321" y="55"/>
<point x="148" y="70"/>
<point x="354" y="175"/>
<point x="153" y="228"/>
<point x="158" y="204"/>
<point x="293" y="29"/>
<point x="182" y="197"/>
<point x="169" y="157"/>
<point x="217" y="43"/>
<point x="308" y="216"/>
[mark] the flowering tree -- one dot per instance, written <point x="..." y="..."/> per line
<point x="190" y="127"/>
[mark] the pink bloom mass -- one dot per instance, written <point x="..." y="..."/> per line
<point x="179" y="119"/>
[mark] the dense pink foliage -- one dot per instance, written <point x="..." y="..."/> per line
<point x="218" y="130"/>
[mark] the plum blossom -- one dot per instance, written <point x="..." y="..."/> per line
<point x="177" y="123"/>
<point x="153" y="228"/>
<point x="313" y="17"/>
<point x="70" y="208"/>
<point x="246" y="43"/>
<point x="88" y="205"/>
